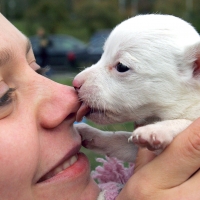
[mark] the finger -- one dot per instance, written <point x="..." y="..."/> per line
<point x="178" y="162"/>
<point x="192" y="186"/>
<point x="144" y="156"/>
<point x="187" y="190"/>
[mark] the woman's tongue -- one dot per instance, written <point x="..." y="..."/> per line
<point x="83" y="110"/>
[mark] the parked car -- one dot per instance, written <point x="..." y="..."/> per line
<point x="64" y="51"/>
<point x="95" y="46"/>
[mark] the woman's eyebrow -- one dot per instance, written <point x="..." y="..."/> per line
<point x="6" y="54"/>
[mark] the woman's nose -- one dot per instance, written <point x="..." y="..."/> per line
<point x="59" y="103"/>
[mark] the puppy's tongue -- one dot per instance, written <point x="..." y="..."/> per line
<point x="83" y="110"/>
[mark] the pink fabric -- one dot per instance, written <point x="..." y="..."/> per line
<point x="112" y="176"/>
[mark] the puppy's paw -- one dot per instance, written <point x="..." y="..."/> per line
<point x="153" y="137"/>
<point x="95" y="143"/>
<point x="97" y="140"/>
<point x="91" y="137"/>
<point x="112" y="144"/>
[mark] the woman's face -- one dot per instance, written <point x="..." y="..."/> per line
<point x="39" y="147"/>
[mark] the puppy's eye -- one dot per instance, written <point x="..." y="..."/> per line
<point x="121" y="68"/>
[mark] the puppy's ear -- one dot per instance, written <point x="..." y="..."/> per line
<point x="196" y="68"/>
<point x="192" y="59"/>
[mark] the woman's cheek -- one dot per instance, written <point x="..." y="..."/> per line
<point x="19" y="152"/>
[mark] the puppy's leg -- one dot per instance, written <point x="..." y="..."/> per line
<point x="112" y="144"/>
<point x="159" y="135"/>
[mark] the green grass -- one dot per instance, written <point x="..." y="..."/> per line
<point x="64" y="78"/>
<point x="67" y="80"/>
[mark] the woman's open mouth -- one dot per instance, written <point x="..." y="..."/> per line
<point x="74" y="168"/>
<point x="60" y="168"/>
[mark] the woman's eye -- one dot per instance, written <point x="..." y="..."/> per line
<point x="121" y="68"/>
<point x="43" y="71"/>
<point x="38" y="69"/>
<point x="7" y="97"/>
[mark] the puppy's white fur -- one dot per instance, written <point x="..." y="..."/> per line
<point x="162" y="85"/>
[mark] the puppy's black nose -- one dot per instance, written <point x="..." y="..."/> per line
<point x="77" y="88"/>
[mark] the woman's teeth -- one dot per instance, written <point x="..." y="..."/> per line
<point x="60" y="168"/>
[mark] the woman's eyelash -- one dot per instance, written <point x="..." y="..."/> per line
<point x="43" y="71"/>
<point x="7" y="97"/>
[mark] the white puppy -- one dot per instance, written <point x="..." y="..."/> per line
<point x="149" y="73"/>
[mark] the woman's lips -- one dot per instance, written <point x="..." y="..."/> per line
<point x="59" y="169"/>
<point x="72" y="168"/>
<point x="63" y="163"/>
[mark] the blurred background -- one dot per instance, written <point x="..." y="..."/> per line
<point x="68" y="35"/>
<point x="77" y="29"/>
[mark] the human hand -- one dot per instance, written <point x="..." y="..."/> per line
<point x="174" y="174"/>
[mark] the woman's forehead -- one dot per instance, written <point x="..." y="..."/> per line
<point x="9" y="34"/>
<point x="8" y="29"/>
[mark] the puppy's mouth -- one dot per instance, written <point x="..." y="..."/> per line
<point x="85" y="110"/>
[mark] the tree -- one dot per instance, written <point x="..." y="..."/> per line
<point x="100" y="14"/>
<point x="49" y="14"/>
<point x="180" y="9"/>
